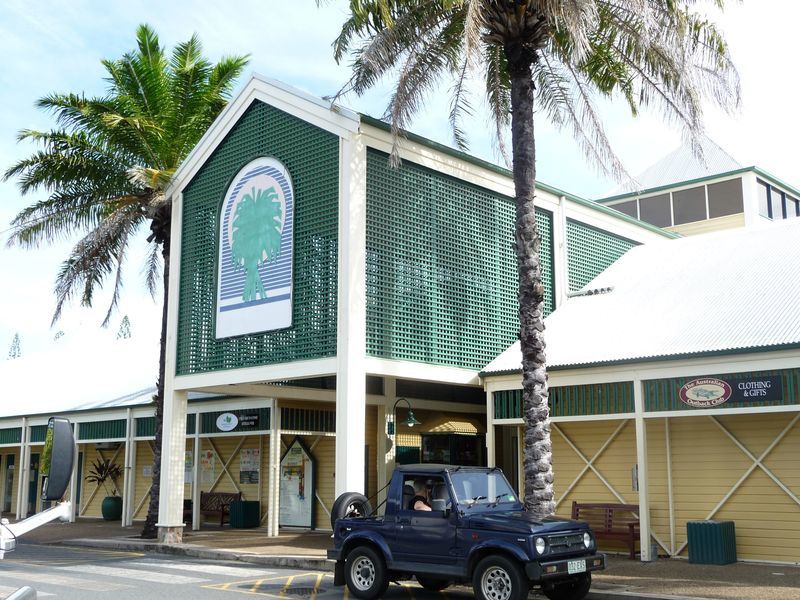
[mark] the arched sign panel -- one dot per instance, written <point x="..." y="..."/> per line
<point x="256" y="251"/>
<point x="297" y="490"/>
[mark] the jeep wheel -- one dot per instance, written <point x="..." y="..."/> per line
<point x="350" y="504"/>
<point x="574" y="588"/>
<point x="499" y="578"/>
<point x="365" y="573"/>
<point x="432" y="584"/>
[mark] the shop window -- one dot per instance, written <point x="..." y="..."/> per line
<point x="763" y="200"/>
<point x="725" y="198"/>
<point x="656" y="210"/>
<point x="453" y="449"/>
<point x="629" y="208"/>
<point x="775" y="203"/>
<point x="689" y="205"/>
<point x="792" y="207"/>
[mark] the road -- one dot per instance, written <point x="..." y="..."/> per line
<point x="80" y="573"/>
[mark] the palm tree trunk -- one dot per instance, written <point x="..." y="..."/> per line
<point x="537" y="459"/>
<point x="150" y="531"/>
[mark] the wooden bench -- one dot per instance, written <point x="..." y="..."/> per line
<point x="212" y="503"/>
<point x="618" y="522"/>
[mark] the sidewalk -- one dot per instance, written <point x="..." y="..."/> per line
<point x="623" y="579"/>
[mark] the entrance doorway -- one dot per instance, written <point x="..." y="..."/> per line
<point x="8" y="480"/>
<point x="33" y="484"/>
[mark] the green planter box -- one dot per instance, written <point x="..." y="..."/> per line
<point x="711" y="542"/>
<point x="245" y="514"/>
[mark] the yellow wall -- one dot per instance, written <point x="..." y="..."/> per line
<point x="91" y="495"/>
<point x="706" y="464"/>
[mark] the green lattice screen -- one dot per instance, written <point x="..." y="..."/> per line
<point x="441" y="272"/>
<point x="590" y="252"/>
<point x="311" y="156"/>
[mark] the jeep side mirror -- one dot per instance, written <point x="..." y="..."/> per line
<point x="439" y="504"/>
<point x="57" y="459"/>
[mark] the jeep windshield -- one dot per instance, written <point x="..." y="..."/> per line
<point x="482" y="489"/>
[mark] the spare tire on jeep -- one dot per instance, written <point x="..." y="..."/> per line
<point x="350" y="504"/>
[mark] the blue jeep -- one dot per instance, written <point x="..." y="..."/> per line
<point x="476" y="531"/>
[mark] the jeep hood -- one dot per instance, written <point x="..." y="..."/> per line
<point x="519" y="521"/>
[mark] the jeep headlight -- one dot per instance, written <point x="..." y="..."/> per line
<point x="587" y="539"/>
<point x="541" y="545"/>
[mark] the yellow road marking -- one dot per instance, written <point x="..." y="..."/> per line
<point x="287" y="584"/>
<point x="316" y="586"/>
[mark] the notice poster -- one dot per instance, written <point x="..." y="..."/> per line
<point x="249" y="465"/>
<point x="188" y="463"/>
<point x="297" y="486"/>
<point x="207" y="466"/>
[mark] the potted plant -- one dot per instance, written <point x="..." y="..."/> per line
<point x="106" y="473"/>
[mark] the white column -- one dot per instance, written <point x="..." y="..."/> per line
<point x="351" y="333"/>
<point x="173" y="441"/>
<point x="273" y="509"/>
<point x="196" y="475"/>
<point x="560" y="250"/>
<point x="173" y="445"/>
<point x="750" y="200"/>
<point x="127" y="481"/>
<point x="73" y="478"/>
<point x="491" y="460"/>
<point x="386" y="445"/>
<point x="24" y="474"/>
<point x="641" y="459"/>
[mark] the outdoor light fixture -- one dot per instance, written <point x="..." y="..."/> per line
<point x="410" y="421"/>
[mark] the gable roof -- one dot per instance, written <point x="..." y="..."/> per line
<point x="682" y="164"/>
<point x="727" y="292"/>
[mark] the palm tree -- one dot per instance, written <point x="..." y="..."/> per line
<point x="556" y="56"/>
<point x="105" y="168"/>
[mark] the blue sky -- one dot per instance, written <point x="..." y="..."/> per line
<point x="57" y="47"/>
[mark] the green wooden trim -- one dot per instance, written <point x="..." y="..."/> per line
<point x="306" y="419"/>
<point x="572" y="400"/>
<point x="407" y="455"/>
<point x="11" y="435"/>
<point x="102" y="430"/>
<point x="38" y="433"/>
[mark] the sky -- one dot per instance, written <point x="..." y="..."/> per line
<point x="57" y="46"/>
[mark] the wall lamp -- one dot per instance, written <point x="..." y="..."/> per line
<point x="410" y="421"/>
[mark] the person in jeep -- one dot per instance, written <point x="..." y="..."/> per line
<point x="420" y="500"/>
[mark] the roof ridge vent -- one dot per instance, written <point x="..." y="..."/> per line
<point x="591" y="292"/>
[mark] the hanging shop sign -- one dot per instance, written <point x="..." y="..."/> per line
<point x="256" y="251"/>
<point x="708" y="392"/>
<point x="297" y="486"/>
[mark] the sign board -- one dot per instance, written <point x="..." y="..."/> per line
<point x="708" y="392"/>
<point x="256" y="251"/>
<point x="239" y="420"/>
<point x="297" y="490"/>
<point x="249" y="465"/>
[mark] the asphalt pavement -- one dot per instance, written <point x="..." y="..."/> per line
<point x="624" y="579"/>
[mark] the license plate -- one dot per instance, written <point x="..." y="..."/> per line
<point x="576" y="566"/>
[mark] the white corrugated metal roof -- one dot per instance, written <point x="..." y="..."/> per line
<point x="93" y="371"/>
<point x="682" y="164"/>
<point x="734" y="290"/>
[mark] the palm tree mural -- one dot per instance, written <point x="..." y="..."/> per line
<point x="104" y="169"/>
<point x="256" y="237"/>
<point x="556" y="57"/>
